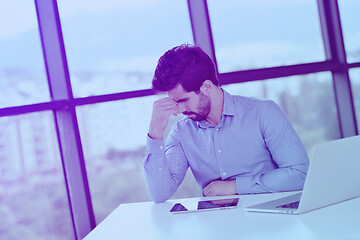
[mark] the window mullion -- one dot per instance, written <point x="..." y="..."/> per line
<point x="65" y="119"/>
<point x="335" y="52"/>
<point x="200" y="23"/>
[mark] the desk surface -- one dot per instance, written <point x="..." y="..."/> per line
<point x="148" y="220"/>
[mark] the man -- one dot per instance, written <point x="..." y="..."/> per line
<point x="232" y="144"/>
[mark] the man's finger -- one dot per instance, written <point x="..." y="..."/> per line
<point x="164" y="100"/>
<point x="210" y="193"/>
<point x="171" y="111"/>
<point x="168" y="105"/>
<point x="206" y="190"/>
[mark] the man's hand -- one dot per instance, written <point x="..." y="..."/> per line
<point x="220" y="188"/>
<point x="162" y="110"/>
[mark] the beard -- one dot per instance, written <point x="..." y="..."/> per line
<point x="203" y="109"/>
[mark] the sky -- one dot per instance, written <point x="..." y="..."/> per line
<point x="116" y="37"/>
<point x="131" y="35"/>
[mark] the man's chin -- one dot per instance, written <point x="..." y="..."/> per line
<point x="191" y="116"/>
<point x="194" y="117"/>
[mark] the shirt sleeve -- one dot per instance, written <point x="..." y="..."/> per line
<point x="287" y="152"/>
<point x="165" y="166"/>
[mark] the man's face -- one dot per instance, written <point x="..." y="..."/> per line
<point x="194" y="106"/>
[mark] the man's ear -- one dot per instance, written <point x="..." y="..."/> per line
<point x="206" y="87"/>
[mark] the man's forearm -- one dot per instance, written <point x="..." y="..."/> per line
<point x="284" y="179"/>
<point x="158" y="179"/>
<point x="277" y="180"/>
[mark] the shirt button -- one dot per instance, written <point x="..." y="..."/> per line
<point x="160" y="169"/>
<point x="161" y="147"/>
<point x="224" y="173"/>
<point x="217" y="129"/>
<point x="219" y="151"/>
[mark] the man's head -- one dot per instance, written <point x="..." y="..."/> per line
<point x="187" y="65"/>
<point x="186" y="73"/>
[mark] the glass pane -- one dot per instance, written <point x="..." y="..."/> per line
<point x="256" y="33"/>
<point x="355" y="85"/>
<point x="350" y="19"/>
<point x="22" y="71"/>
<point x="308" y="101"/>
<point x="113" y="46"/>
<point x="33" y="197"/>
<point x="114" y="138"/>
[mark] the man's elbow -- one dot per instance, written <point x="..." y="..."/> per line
<point x="159" y="191"/>
<point x="158" y="198"/>
<point x="300" y="172"/>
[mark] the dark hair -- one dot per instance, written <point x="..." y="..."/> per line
<point x="186" y="64"/>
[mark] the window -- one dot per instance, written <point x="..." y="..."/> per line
<point x="33" y="196"/>
<point x="355" y="85"/>
<point x="33" y="200"/>
<point x="312" y="113"/>
<point x="349" y="13"/>
<point x="22" y="71"/>
<point x="113" y="46"/>
<point x="252" y="34"/>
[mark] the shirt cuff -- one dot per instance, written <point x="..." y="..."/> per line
<point x="244" y="185"/>
<point x="154" y="146"/>
<point x="156" y="151"/>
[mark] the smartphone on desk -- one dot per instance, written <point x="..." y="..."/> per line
<point x="204" y="205"/>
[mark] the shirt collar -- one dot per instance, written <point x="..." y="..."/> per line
<point x="228" y="109"/>
<point x="229" y="106"/>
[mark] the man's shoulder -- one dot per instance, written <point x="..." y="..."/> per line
<point x="185" y="123"/>
<point x="252" y="103"/>
<point x="183" y="126"/>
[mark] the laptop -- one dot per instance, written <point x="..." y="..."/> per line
<point x="333" y="177"/>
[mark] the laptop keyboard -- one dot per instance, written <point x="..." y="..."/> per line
<point x="290" y="205"/>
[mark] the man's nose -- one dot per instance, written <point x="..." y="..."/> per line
<point x="181" y="107"/>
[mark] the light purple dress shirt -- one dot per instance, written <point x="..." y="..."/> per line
<point x="253" y="143"/>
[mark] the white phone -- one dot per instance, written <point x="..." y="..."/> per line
<point x="204" y="205"/>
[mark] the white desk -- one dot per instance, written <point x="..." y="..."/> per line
<point x="148" y="220"/>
